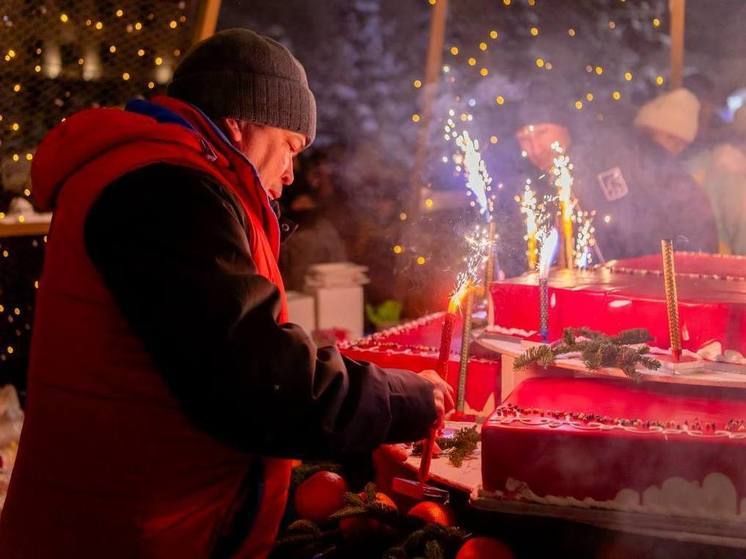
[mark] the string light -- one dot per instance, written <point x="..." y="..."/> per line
<point x="616" y="95"/>
<point x="540" y="62"/>
<point x="421" y="260"/>
<point x="599" y="70"/>
<point x="417" y="84"/>
<point x="398" y="249"/>
<point x="64" y="18"/>
<point x="472" y="61"/>
<point x="628" y="76"/>
<point x="172" y="24"/>
<point x="571" y="32"/>
<point x="483" y="46"/>
<point x="415" y="118"/>
<point x="659" y="80"/>
<point x="534" y="31"/>
<point x="454" y="51"/>
<point x="656" y="22"/>
<point x="494" y="34"/>
<point x="119" y="13"/>
<point x="589" y="96"/>
<point x="500" y="100"/>
<point x="125" y="76"/>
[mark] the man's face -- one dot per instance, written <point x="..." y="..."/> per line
<point x="536" y="141"/>
<point x="270" y="149"/>
<point x="672" y="144"/>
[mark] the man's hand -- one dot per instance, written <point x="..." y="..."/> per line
<point x="442" y="394"/>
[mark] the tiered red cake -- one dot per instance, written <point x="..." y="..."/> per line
<point x="629" y="294"/>
<point x="414" y="346"/>
<point x="581" y="440"/>
<point x="612" y="443"/>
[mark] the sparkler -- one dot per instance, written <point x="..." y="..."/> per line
<point x="528" y="208"/>
<point x="563" y="181"/>
<point x="464" y="355"/>
<point x="478" y="180"/>
<point x="672" y="301"/>
<point x="585" y="240"/>
<point x="548" y="251"/>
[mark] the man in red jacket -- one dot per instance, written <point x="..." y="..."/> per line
<point x="166" y="387"/>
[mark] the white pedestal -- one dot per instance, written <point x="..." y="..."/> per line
<point x="301" y="310"/>
<point x="340" y="307"/>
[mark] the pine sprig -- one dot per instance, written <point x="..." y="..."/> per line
<point x="541" y="355"/>
<point x="458" y="447"/>
<point x="597" y="350"/>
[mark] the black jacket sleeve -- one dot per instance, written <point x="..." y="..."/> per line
<point x="172" y="247"/>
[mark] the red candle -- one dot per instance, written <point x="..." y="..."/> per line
<point x="446" y="335"/>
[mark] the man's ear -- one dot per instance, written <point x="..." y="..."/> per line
<point x="232" y="128"/>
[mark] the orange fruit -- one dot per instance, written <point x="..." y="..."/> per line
<point x="320" y="496"/>
<point x="484" y="548"/>
<point x="433" y="512"/>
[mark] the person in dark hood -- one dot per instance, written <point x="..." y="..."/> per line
<point x="167" y="388"/>
<point x="631" y="178"/>
<point x="634" y="180"/>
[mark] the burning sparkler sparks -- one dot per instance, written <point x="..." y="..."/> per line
<point x="562" y="170"/>
<point x="585" y="240"/>
<point x="478" y="180"/>
<point x="549" y="242"/>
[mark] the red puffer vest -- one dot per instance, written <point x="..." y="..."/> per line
<point x="108" y="466"/>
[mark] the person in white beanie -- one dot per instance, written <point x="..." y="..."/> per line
<point x="670" y="120"/>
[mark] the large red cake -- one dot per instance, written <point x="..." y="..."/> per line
<point x="414" y="346"/>
<point x="612" y="443"/>
<point x="629" y="294"/>
<point x="564" y="438"/>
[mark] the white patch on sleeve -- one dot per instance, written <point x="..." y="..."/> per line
<point x="613" y="184"/>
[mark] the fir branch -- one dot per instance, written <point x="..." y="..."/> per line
<point x="458" y="447"/>
<point x="463" y="444"/>
<point x="541" y="354"/>
<point x="631" y="337"/>
<point x="597" y="350"/>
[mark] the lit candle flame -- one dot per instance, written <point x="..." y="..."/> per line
<point x="463" y="284"/>
<point x="547" y="252"/>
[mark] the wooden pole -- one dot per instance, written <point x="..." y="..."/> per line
<point x="678" y="24"/>
<point x="207" y="19"/>
<point x="430" y="90"/>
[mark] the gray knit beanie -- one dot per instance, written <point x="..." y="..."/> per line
<point x="244" y="75"/>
